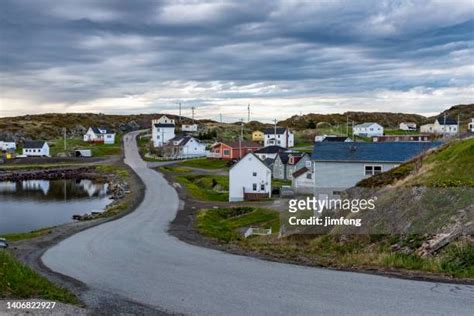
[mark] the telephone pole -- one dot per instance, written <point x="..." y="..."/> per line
<point x="220" y="117"/>
<point x="241" y="137"/>
<point x="64" y="135"/>
<point x="248" y="113"/>
<point x="179" y="104"/>
<point x="192" y="110"/>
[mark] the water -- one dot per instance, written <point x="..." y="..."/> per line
<point x="33" y="204"/>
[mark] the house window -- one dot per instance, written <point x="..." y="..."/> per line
<point x="254" y="187"/>
<point x="226" y="152"/>
<point x="254" y="174"/>
<point x="370" y="170"/>
<point x="309" y="176"/>
<point x="308" y="164"/>
<point x="262" y="187"/>
<point x="158" y="137"/>
<point x="157" y="129"/>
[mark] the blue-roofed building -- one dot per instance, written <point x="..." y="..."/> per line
<point x="338" y="166"/>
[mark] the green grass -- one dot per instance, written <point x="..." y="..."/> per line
<point x="18" y="281"/>
<point x="206" y="187"/>
<point x="223" y="223"/>
<point x="205" y="163"/>
<point x="388" y="131"/>
<point x="280" y="182"/>
<point x="175" y="169"/>
<point x="118" y="170"/>
<point x="27" y="235"/>
<point x="98" y="150"/>
<point x="40" y="166"/>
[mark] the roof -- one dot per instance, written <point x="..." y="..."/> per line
<point x="164" y="125"/>
<point x="449" y="121"/>
<point x="34" y="144"/>
<point x="335" y="139"/>
<point x="183" y="140"/>
<point x="244" y="144"/>
<point x="250" y="153"/>
<point x="271" y="150"/>
<point x="98" y="130"/>
<point x="271" y="130"/>
<point x="299" y="172"/>
<point x="368" y="124"/>
<point x="269" y="161"/>
<point x="370" y="152"/>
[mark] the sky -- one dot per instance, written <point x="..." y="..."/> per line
<point x="281" y="57"/>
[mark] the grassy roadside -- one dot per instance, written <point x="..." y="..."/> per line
<point x="98" y="150"/>
<point x="27" y="235"/>
<point x="18" y="281"/>
<point x="205" y="163"/>
<point x="206" y="187"/>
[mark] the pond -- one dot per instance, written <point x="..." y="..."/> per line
<point x="33" y="204"/>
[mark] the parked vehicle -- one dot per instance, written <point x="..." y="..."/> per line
<point x="3" y="243"/>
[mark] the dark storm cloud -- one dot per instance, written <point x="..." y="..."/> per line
<point x="70" y="52"/>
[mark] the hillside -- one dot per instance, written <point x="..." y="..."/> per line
<point x="387" y="119"/>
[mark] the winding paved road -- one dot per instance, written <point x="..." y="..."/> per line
<point x="136" y="258"/>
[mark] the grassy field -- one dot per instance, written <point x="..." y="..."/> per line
<point x="205" y="163"/>
<point x="118" y="170"/>
<point x="223" y="223"/>
<point x="27" y="235"/>
<point x="206" y="187"/>
<point x="98" y="150"/>
<point x="18" y="281"/>
<point x="389" y="131"/>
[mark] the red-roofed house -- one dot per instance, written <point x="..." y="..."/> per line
<point x="232" y="150"/>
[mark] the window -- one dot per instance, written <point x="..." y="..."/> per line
<point x="254" y="174"/>
<point x="262" y="187"/>
<point x="157" y="129"/>
<point x="370" y="170"/>
<point x="309" y="176"/>
<point x="254" y="187"/>
<point x="158" y="137"/>
<point x="308" y="164"/>
<point x="226" y="152"/>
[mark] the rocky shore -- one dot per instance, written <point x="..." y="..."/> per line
<point x="49" y="174"/>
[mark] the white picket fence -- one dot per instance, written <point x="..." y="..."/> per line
<point x="257" y="231"/>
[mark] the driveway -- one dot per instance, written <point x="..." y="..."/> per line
<point x="136" y="258"/>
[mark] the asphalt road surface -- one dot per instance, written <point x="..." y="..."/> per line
<point x="135" y="257"/>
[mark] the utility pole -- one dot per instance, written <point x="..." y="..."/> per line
<point x="444" y="126"/>
<point x="459" y="127"/>
<point x="192" y="110"/>
<point x="220" y="116"/>
<point x="347" y="125"/>
<point x="179" y="111"/>
<point x="275" y="131"/>
<point x="241" y="137"/>
<point x="248" y="113"/>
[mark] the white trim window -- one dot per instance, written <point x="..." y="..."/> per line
<point x="370" y="170"/>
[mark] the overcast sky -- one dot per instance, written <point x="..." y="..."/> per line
<point x="281" y="57"/>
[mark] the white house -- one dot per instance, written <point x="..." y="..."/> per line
<point x="162" y="130"/>
<point x="338" y="166"/>
<point x="189" y="127"/>
<point x="99" y="135"/>
<point x="470" y="126"/>
<point x="249" y="179"/>
<point x="7" y="145"/>
<point x="36" y="148"/>
<point x="184" y="147"/>
<point x="408" y="126"/>
<point x="278" y="136"/>
<point x="442" y="125"/>
<point x="303" y="179"/>
<point x="368" y="129"/>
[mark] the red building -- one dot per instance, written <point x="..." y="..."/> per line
<point x="232" y="150"/>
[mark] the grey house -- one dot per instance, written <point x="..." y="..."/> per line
<point x="338" y="166"/>
<point x="286" y="163"/>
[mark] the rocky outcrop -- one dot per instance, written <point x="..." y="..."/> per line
<point x="49" y="174"/>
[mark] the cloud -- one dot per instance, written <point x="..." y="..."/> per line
<point x="283" y="57"/>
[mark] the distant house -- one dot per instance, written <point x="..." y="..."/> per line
<point x="184" y="147"/>
<point x="470" y="126"/>
<point x="403" y="138"/>
<point x="441" y="126"/>
<point x="189" y="127"/>
<point x="7" y="145"/>
<point x="36" y="148"/>
<point x="408" y="126"/>
<point x="249" y="179"/>
<point x="162" y="130"/>
<point x="285" y="164"/>
<point x="331" y="138"/>
<point x="232" y="150"/>
<point x="258" y="136"/>
<point x="270" y="152"/>
<point x="368" y="129"/>
<point x="279" y="136"/>
<point x="338" y="166"/>
<point x="99" y="135"/>
<point x="303" y="180"/>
